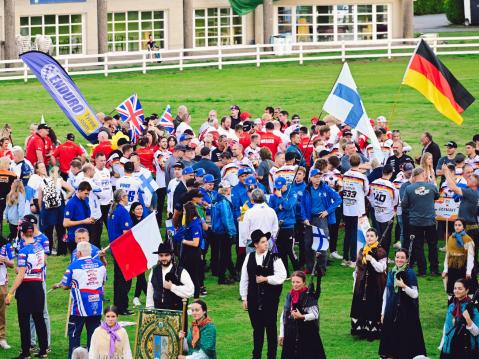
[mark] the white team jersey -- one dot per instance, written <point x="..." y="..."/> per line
<point x="252" y="153"/>
<point x="94" y="198"/>
<point x="169" y="194"/>
<point x="287" y="172"/>
<point x="230" y="172"/>
<point x="75" y="180"/>
<point x="445" y="191"/>
<point x="474" y="162"/>
<point x="384" y="197"/>
<point x="355" y="188"/>
<point x="244" y="162"/>
<point x="160" y="159"/>
<point x="398" y="181"/>
<point x="132" y="186"/>
<point x="334" y="179"/>
<point x="103" y="180"/>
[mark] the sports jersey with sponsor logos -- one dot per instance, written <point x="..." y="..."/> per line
<point x="384" y="197"/>
<point x="474" y="162"/>
<point x="103" y="180"/>
<point x="229" y="172"/>
<point x="32" y="257"/>
<point x="41" y="239"/>
<point x="132" y="186"/>
<point x="355" y="189"/>
<point x="398" y="181"/>
<point x="86" y="277"/>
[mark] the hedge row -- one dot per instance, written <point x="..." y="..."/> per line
<point x="454" y="9"/>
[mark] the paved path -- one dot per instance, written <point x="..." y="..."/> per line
<point x="438" y="23"/>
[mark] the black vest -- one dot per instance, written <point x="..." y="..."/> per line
<point x="260" y="294"/>
<point x="163" y="298"/>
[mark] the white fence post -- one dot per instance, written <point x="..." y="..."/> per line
<point x="143" y="63"/>
<point x="301" y="53"/>
<point x="105" y="65"/>
<point x="258" y="56"/>
<point x="389" y="49"/>
<point x="25" y="72"/>
<point x="181" y="60"/>
<point x="220" y="59"/>
<point x="343" y="51"/>
<point x="66" y="65"/>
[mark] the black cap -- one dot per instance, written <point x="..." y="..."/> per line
<point x="247" y="125"/>
<point x="205" y="151"/>
<point x="27" y="227"/>
<point x="257" y="234"/>
<point x="43" y="126"/>
<point x="129" y="167"/>
<point x="179" y="164"/>
<point x="71" y="137"/>
<point x="30" y="218"/>
<point x="451" y="144"/>
<point x="180" y="148"/>
<point x="164" y="248"/>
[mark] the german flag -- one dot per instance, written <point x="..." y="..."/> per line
<point x="428" y="75"/>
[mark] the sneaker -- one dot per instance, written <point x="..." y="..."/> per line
<point x="352" y="265"/>
<point x="136" y="302"/>
<point x="345" y="263"/>
<point x="4" y="344"/>
<point x="203" y="292"/>
<point x="397" y="245"/>
<point x="335" y="255"/>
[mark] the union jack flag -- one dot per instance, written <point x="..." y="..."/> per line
<point x="166" y="120"/>
<point x="131" y="110"/>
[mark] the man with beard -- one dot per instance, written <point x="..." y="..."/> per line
<point x="168" y="283"/>
<point x="398" y="159"/>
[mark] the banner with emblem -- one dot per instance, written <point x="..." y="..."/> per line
<point x="446" y="209"/>
<point x="157" y="334"/>
<point x="63" y="90"/>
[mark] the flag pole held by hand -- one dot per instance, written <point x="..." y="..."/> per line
<point x="183" y="321"/>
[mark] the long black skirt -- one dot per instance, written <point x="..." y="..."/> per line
<point x="302" y="340"/>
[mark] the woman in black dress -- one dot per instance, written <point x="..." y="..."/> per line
<point x="369" y="283"/>
<point x="299" y="328"/>
<point x="401" y="334"/>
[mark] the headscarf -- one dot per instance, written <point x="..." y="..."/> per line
<point x="395" y="271"/>
<point x="458" y="237"/>
<point x="457" y="311"/>
<point x="295" y="294"/>
<point x="112" y="332"/>
<point x="195" y="329"/>
<point x="367" y="249"/>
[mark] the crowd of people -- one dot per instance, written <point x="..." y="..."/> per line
<point x="252" y="195"/>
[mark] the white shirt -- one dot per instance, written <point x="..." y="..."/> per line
<point x="183" y="291"/>
<point x="103" y="180"/>
<point x="132" y="187"/>
<point x="160" y="159"/>
<point x="94" y="198"/>
<point x="277" y="278"/>
<point x="230" y="133"/>
<point x="169" y="194"/>
<point x="260" y="216"/>
<point x="229" y="172"/>
<point x="35" y="182"/>
<point x="384" y="197"/>
<point x="182" y="127"/>
<point x="287" y="172"/>
<point x="355" y="188"/>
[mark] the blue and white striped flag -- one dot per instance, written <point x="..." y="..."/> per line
<point x="363" y="226"/>
<point x="320" y="240"/>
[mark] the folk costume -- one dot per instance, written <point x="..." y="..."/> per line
<point x="110" y="343"/>
<point x="201" y="340"/>
<point x="401" y="333"/>
<point x="370" y="280"/>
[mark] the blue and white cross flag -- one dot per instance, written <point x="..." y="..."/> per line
<point x="344" y="103"/>
<point x="320" y="240"/>
<point x="63" y="90"/>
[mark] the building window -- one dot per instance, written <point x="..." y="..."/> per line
<point x="307" y="23"/>
<point x="129" y="31"/>
<point x="65" y="31"/>
<point x="217" y="27"/>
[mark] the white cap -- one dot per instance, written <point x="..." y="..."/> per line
<point x="258" y="121"/>
<point x="225" y="184"/>
<point x="381" y="119"/>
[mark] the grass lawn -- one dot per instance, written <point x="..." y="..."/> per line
<point x="299" y="89"/>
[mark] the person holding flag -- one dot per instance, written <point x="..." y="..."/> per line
<point x="318" y="207"/>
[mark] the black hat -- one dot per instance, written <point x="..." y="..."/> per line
<point x="247" y="125"/>
<point x="43" y="126"/>
<point x="30" y="218"/>
<point x="179" y="164"/>
<point x="164" y="248"/>
<point x="257" y="234"/>
<point x="451" y="144"/>
<point x="71" y="137"/>
<point x="26" y="227"/>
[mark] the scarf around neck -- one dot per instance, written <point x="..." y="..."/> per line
<point x="112" y="332"/>
<point x="457" y="311"/>
<point x="367" y="249"/>
<point x="396" y="270"/>
<point x="295" y="294"/>
<point x="458" y="237"/>
<point x="195" y="329"/>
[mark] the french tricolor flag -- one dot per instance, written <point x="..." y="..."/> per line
<point x="133" y="250"/>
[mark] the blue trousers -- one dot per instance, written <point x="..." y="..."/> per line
<point x="75" y="327"/>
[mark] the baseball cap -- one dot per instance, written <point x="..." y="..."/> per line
<point x="30" y="218"/>
<point x="185" y="137"/>
<point x="188" y="171"/>
<point x="179" y="164"/>
<point x="279" y="182"/>
<point x="71" y="137"/>
<point x="43" y="126"/>
<point x="381" y="119"/>
<point x="27" y="227"/>
<point x="200" y="172"/>
<point x="408" y="167"/>
<point x="244" y="171"/>
<point x="314" y="172"/>
<point x="459" y="158"/>
<point x="245" y="115"/>
<point x="209" y="178"/>
<point x="250" y="181"/>
<point x="247" y="125"/>
<point x="451" y="144"/>
<point x="180" y="148"/>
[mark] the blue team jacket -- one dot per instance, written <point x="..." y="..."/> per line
<point x="222" y="220"/>
<point x="331" y="201"/>
<point x="285" y="208"/>
<point x="298" y="189"/>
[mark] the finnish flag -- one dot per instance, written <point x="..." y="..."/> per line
<point x="344" y="103"/>
<point x="320" y="240"/>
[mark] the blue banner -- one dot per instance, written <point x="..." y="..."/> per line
<point x="63" y="90"/>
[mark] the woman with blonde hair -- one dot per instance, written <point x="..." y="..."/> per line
<point x="426" y="164"/>
<point x="16" y="207"/>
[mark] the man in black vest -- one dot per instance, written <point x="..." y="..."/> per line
<point x="168" y="283"/>
<point x="262" y="278"/>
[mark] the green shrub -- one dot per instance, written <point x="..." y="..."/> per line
<point x="424" y="7"/>
<point x="454" y="11"/>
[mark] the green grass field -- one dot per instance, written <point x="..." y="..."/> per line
<point x="299" y="89"/>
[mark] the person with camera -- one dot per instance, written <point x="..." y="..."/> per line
<point x="168" y="283"/>
<point x="401" y="335"/>
<point x="299" y="323"/>
<point x="262" y="278"/>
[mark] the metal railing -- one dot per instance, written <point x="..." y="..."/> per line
<point x="145" y="61"/>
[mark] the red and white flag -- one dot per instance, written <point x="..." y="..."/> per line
<point x="133" y="250"/>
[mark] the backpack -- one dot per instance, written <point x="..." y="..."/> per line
<point x="51" y="197"/>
